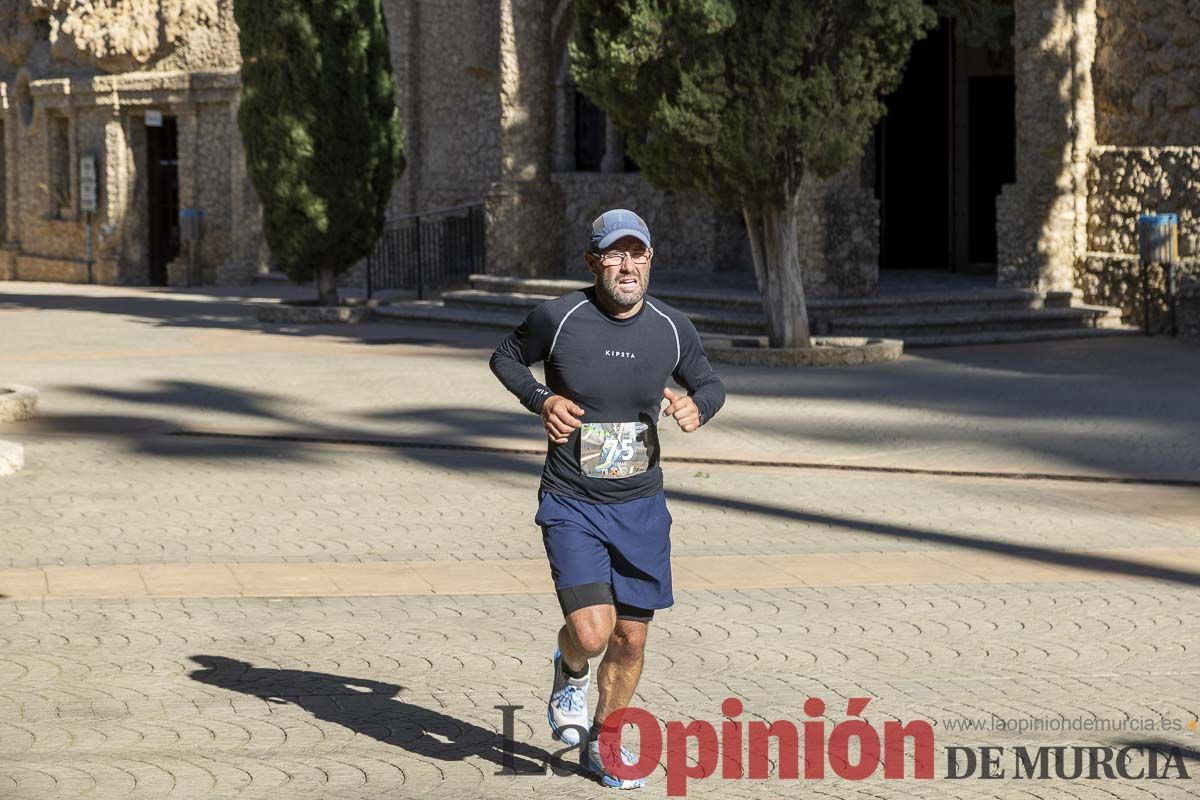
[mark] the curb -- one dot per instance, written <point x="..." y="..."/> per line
<point x="827" y="351"/>
<point x="17" y="402"/>
<point x="310" y="315"/>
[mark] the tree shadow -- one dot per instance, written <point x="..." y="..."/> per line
<point x="440" y="428"/>
<point x="1115" y="393"/>
<point x="1114" y="406"/>
<point x="193" y="395"/>
<point x="449" y="433"/>
<point x="1048" y="555"/>
<point x="175" y="308"/>
<point x="442" y="436"/>
<point x="373" y="708"/>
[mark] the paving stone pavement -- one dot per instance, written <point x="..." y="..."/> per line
<point x="354" y="696"/>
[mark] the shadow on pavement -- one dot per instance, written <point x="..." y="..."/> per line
<point x="174" y="309"/>
<point x="1048" y="555"/>
<point x="1117" y="406"/>
<point x="371" y="708"/>
<point x="460" y="428"/>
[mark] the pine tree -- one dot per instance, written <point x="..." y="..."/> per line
<point x="742" y="99"/>
<point x="321" y="129"/>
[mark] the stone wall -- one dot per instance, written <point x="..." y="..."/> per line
<point x="1123" y="183"/>
<point x="839" y="238"/>
<point x="1116" y="280"/>
<point x="683" y="227"/>
<point x="1147" y="72"/>
<point x="1189" y="312"/>
<point x="1147" y="97"/>
<point x="88" y="36"/>
<point x="8" y="263"/>
<point x="446" y="58"/>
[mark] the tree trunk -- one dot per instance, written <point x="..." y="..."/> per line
<point x="774" y="245"/>
<point x="327" y="292"/>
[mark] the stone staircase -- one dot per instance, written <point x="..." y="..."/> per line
<point x="978" y="315"/>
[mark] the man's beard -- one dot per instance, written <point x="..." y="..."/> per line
<point x="611" y="286"/>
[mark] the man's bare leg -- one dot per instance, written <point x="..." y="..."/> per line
<point x="588" y="632"/>
<point x="621" y="668"/>
<point x="585" y="634"/>
<point x="593" y="630"/>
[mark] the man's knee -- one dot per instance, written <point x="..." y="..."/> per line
<point x="592" y="628"/>
<point x="629" y="637"/>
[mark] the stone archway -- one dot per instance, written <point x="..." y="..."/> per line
<point x="568" y="111"/>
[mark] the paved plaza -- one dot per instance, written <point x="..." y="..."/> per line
<point x="259" y="561"/>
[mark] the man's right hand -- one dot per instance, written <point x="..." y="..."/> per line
<point x="560" y="416"/>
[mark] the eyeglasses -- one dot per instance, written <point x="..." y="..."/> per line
<point x="615" y="258"/>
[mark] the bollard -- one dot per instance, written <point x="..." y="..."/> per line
<point x="1158" y="243"/>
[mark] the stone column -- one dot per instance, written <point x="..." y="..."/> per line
<point x="614" y="148"/>
<point x="1041" y="225"/>
<point x="114" y="178"/>
<point x="11" y="198"/>
<point x="187" y="143"/>
<point x="524" y="208"/>
<point x="187" y="132"/>
<point x="564" y="125"/>
<point x="8" y="241"/>
<point x="247" y="249"/>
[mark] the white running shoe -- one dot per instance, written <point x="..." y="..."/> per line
<point x="589" y="759"/>
<point x="567" y="711"/>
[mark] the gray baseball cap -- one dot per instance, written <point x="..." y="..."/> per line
<point x="615" y="224"/>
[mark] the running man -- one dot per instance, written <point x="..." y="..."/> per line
<point x="608" y="351"/>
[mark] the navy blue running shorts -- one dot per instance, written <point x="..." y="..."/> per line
<point x="625" y="546"/>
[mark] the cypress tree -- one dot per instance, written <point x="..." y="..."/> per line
<point x="740" y="100"/>
<point x="321" y="129"/>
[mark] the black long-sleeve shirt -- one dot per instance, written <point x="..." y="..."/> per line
<point x="616" y="370"/>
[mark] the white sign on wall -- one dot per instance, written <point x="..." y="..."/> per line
<point x="153" y="119"/>
<point x="87" y="182"/>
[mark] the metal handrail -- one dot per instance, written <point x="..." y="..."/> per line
<point x="428" y="249"/>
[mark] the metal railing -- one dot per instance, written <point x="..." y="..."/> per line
<point x="429" y="250"/>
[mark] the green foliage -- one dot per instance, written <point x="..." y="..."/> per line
<point x="738" y="99"/>
<point x="321" y="128"/>
<point x="982" y="23"/>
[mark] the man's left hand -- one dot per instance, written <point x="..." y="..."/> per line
<point x="683" y="409"/>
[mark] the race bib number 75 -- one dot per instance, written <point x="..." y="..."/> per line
<point x="614" y="449"/>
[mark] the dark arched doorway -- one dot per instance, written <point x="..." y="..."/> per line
<point x="946" y="146"/>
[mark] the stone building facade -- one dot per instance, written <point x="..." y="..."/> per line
<point x="148" y="90"/>
<point x="1108" y="127"/>
<point x="493" y="116"/>
<point x="1103" y="110"/>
